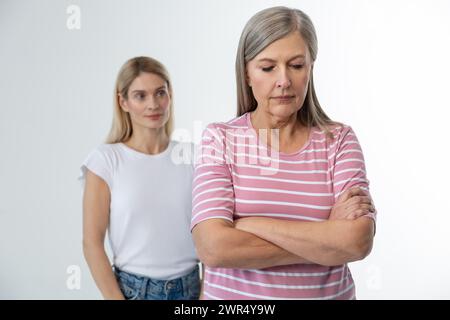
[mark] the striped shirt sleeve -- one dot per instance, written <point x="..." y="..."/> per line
<point x="212" y="187"/>
<point x="349" y="168"/>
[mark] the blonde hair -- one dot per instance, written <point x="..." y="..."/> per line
<point x="122" y="129"/>
<point x="264" y="28"/>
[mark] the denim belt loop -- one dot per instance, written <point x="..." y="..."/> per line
<point x="144" y="286"/>
<point x="169" y="285"/>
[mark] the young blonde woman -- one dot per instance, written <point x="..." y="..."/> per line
<point x="140" y="192"/>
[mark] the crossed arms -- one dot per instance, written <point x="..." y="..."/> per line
<point x="260" y="242"/>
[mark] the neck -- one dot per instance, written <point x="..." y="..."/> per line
<point x="287" y="127"/>
<point x="149" y="141"/>
<point x="284" y="134"/>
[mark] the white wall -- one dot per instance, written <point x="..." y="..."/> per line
<point x="382" y="67"/>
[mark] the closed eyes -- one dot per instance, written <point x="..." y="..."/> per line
<point x="295" y="66"/>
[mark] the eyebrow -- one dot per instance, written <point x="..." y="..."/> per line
<point x="144" y="91"/>
<point x="272" y="60"/>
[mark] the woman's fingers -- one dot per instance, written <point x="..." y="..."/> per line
<point x="357" y="213"/>
<point x="358" y="200"/>
<point x="350" y="193"/>
<point x="362" y="206"/>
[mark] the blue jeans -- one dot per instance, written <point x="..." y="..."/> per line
<point x="135" y="287"/>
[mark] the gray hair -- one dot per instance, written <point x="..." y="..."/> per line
<point x="264" y="28"/>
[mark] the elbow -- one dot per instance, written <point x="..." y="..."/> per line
<point x="355" y="249"/>
<point x="211" y="243"/>
<point x="366" y="249"/>
<point x="90" y="246"/>
<point x="362" y="239"/>
<point x="211" y="261"/>
<point x="209" y="256"/>
<point x="87" y="245"/>
<point x="361" y="249"/>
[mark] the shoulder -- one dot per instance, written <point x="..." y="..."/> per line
<point x="344" y="140"/>
<point x="235" y="123"/>
<point x="102" y="161"/>
<point x="339" y="132"/>
<point x="107" y="149"/>
<point x="106" y="153"/>
<point x="344" y="133"/>
<point x="220" y="128"/>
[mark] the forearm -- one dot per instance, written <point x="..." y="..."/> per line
<point x="101" y="271"/>
<point x="331" y="242"/>
<point x="232" y="248"/>
<point x="245" y="250"/>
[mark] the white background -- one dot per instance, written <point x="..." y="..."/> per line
<point x="383" y="68"/>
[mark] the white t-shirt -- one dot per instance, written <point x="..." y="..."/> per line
<point x="150" y="212"/>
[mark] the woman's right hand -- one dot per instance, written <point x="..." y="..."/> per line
<point x="352" y="204"/>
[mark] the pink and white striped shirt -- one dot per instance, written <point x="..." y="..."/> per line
<point x="238" y="176"/>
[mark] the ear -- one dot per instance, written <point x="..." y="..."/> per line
<point x="123" y="103"/>
<point x="310" y="72"/>
<point x="247" y="79"/>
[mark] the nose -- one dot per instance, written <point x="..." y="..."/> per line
<point x="283" y="82"/>
<point x="151" y="104"/>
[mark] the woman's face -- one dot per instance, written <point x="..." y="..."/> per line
<point x="148" y="101"/>
<point x="279" y="76"/>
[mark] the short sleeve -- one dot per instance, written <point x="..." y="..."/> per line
<point x="98" y="163"/>
<point x="349" y="168"/>
<point x="212" y="187"/>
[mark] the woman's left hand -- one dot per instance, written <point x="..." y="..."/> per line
<point x="352" y="204"/>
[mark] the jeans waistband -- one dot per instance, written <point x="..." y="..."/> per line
<point x="156" y="286"/>
<point x="135" y="277"/>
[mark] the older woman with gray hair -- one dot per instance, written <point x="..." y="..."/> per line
<point x="281" y="201"/>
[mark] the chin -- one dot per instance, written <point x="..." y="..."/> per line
<point x="152" y="126"/>
<point x="283" y="111"/>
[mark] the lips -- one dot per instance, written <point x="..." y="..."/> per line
<point x="284" y="100"/>
<point x="153" y="116"/>
<point x="284" y="97"/>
